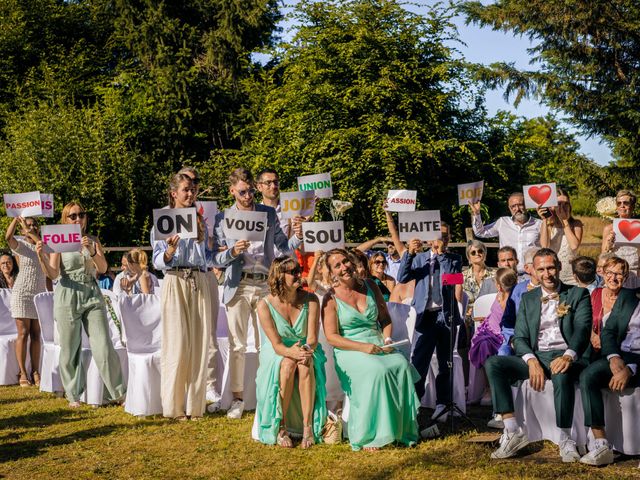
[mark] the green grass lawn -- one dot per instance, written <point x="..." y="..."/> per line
<point x="41" y="438"/>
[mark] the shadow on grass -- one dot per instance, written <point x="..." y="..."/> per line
<point x="41" y="419"/>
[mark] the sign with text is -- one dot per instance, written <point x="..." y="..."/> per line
<point x="47" y="204"/>
<point x="322" y="236"/>
<point x="241" y="225"/>
<point x="470" y="192"/>
<point x="168" y="222"/>
<point x="26" y="204"/>
<point x="61" y="238"/>
<point x="294" y="204"/>
<point x="540" y="195"/>
<point x="208" y="210"/>
<point x="321" y="183"/>
<point x="401" y="200"/>
<point x="627" y="231"/>
<point x="423" y="225"/>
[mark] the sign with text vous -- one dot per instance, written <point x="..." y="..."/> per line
<point x="627" y="231"/>
<point x="27" y="204"/>
<point x="244" y="225"/>
<point x="401" y="200"/>
<point x="294" y="204"/>
<point x="423" y="225"/>
<point x="470" y="192"/>
<point x="61" y="238"/>
<point x="320" y="183"/>
<point x="168" y="222"/>
<point x="322" y="236"/>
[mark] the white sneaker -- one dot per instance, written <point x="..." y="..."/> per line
<point x="510" y="444"/>
<point x="212" y="396"/>
<point x="568" y="451"/>
<point x="430" y="432"/>
<point x="236" y="409"/>
<point x="439" y="408"/>
<point x="213" y="407"/>
<point x="496" y="422"/>
<point x="602" y="455"/>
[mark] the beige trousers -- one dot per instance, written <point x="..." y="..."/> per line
<point x="186" y="313"/>
<point x="212" y="362"/>
<point x="240" y="310"/>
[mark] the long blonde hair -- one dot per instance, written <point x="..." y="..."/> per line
<point x="174" y="185"/>
<point x="67" y="208"/>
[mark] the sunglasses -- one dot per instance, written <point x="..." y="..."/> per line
<point x="379" y="262"/>
<point x="75" y="216"/>
<point x="476" y="252"/>
<point x="246" y="193"/>
<point x="268" y="183"/>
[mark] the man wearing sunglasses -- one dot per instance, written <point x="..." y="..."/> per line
<point x="245" y="277"/>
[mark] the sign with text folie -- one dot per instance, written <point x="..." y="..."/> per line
<point x="208" y="210"/>
<point x="244" y="225"/>
<point x="540" y="195"/>
<point x="47" y="204"/>
<point x="168" y="222"/>
<point x="320" y="183"/>
<point x="470" y="192"/>
<point x="322" y="236"/>
<point x="27" y="204"/>
<point x="61" y="238"/>
<point x="423" y="225"/>
<point x="294" y="204"/>
<point x="401" y="200"/>
<point x="627" y="231"/>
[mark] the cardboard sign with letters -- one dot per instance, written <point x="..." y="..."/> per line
<point x="26" y="204"/>
<point x="61" y="238"/>
<point x="322" y="236"/>
<point x="627" y="231"/>
<point x="321" y="183"/>
<point x="401" y="200"/>
<point x="423" y="225"/>
<point x="542" y="194"/>
<point x="168" y="222"/>
<point x="470" y="192"/>
<point x="208" y="210"/>
<point x="294" y="204"/>
<point x="244" y="225"/>
<point x="47" y="204"/>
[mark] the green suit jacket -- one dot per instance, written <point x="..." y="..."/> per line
<point x="575" y="325"/>
<point x="615" y="330"/>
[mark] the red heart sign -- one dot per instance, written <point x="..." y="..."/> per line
<point x="630" y="229"/>
<point x="540" y="194"/>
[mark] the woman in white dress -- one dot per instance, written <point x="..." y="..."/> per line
<point x="625" y="206"/>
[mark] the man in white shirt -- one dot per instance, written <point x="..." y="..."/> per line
<point x="520" y="231"/>
<point x="552" y="332"/>
<point x="268" y="184"/>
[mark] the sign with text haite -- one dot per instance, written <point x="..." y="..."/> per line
<point x="26" y="204"/>
<point x="61" y="238"/>
<point x="208" y="210"/>
<point x="321" y="183"/>
<point x="627" y="231"/>
<point x="168" y="222"/>
<point x="322" y="236"/>
<point x="423" y="225"/>
<point x="401" y="200"/>
<point x="244" y="225"/>
<point x="470" y="192"/>
<point x="47" y="204"/>
<point x="294" y="204"/>
<point x="540" y="195"/>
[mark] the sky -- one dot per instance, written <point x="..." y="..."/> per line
<point x="485" y="46"/>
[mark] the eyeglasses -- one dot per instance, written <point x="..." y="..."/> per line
<point x="609" y="273"/>
<point x="379" y="262"/>
<point x="623" y="203"/>
<point x="246" y="193"/>
<point x="476" y="252"/>
<point x="297" y="270"/>
<point x="268" y="183"/>
<point x="74" y="216"/>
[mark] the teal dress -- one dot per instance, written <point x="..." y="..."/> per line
<point x="382" y="398"/>
<point x="269" y="407"/>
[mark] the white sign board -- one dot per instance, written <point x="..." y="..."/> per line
<point x="627" y="231"/>
<point x="470" y="192"/>
<point x="294" y="204"/>
<point x="320" y="183"/>
<point x="322" y="236"/>
<point x="61" y="238"/>
<point x="208" y="210"/>
<point x="26" y="204"/>
<point x="540" y="195"/>
<point x="241" y="225"/>
<point x="423" y="225"/>
<point x="47" y="204"/>
<point x="168" y="222"/>
<point x="401" y="200"/>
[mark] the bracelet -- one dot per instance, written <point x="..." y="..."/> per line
<point x="94" y="253"/>
<point x="388" y="338"/>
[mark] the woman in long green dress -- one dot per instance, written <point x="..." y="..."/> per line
<point x="377" y="380"/>
<point x="290" y="357"/>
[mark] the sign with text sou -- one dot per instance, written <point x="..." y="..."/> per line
<point x="423" y="225"/>
<point x="168" y="222"/>
<point x="244" y="225"/>
<point x="322" y="236"/>
<point x="321" y="183"/>
<point x="61" y="238"/>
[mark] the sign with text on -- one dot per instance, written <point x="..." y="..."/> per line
<point x="294" y="204"/>
<point x="244" y="225"/>
<point x="27" y="204"/>
<point x="320" y="183"/>
<point x="540" y="195"/>
<point x="401" y="200"/>
<point x="322" y="236"/>
<point x="627" y="231"/>
<point x="470" y="192"/>
<point x="61" y="238"/>
<point x="168" y="222"/>
<point x="423" y="225"/>
<point x="208" y="210"/>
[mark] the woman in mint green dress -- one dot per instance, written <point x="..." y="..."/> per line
<point x="290" y="357"/>
<point x="377" y="380"/>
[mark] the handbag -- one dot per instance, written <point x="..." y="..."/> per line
<point x="332" y="431"/>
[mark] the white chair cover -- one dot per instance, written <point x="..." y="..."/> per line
<point x="50" y="370"/>
<point x="462" y="306"/>
<point x="622" y="420"/>
<point x="9" y="369"/>
<point x="142" y="324"/>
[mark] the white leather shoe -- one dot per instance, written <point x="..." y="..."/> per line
<point x="568" y="451"/>
<point x="496" y="422"/>
<point x="510" y="444"/>
<point x="602" y="455"/>
<point x="439" y="408"/>
<point x="236" y="409"/>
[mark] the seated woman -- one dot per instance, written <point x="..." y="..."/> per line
<point x="377" y="266"/>
<point x="135" y="276"/>
<point x="8" y="270"/>
<point x="289" y="356"/>
<point x="378" y="381"/>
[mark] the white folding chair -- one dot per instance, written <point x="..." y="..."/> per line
<point x="142" y="324"/>
<point x="50" y="369"/>
<point x="9" y="369"/>
<point x="477" y="380"/>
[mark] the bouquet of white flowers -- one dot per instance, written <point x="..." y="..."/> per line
<point x="606" y="207"/>
<point x="338" y="207"/>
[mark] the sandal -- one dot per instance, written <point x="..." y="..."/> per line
<point x="75" y="404"/>
<point x="181" y="418"/>
<point x="24" y="380"/>
<point x="308" y="439"/>
<point x="36" y="379"/>
<point x="283" y="440"/>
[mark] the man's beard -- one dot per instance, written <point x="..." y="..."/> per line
<point x="521" y="217"/>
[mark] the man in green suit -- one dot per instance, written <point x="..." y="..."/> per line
<point x="616" y="368"/>
<point x="552" y="331"/>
